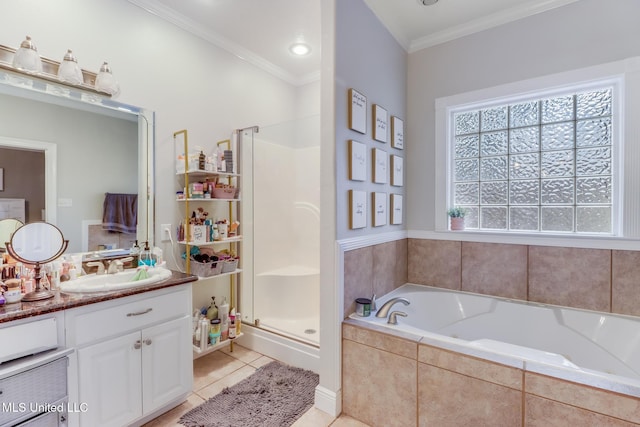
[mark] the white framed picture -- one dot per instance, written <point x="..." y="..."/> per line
<point x="397" y="132"/>
<point x="379" y="208"/>
<point x="397" y="171"/>
<point x="396" y="209"/>
<point x="357" y="209"/>
<point x="380" y="166"/>
<point x="380" y="123"/>
<point x="357" y="111"/>
<point x="357" y="161"/>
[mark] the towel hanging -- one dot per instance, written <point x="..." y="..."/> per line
<point x="120" y="213"/>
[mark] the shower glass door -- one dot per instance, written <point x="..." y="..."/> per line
<point x="284" y="217"/>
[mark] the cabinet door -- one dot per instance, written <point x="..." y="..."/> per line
<point x="167" y="362"/>
<point x="109" y="378"/>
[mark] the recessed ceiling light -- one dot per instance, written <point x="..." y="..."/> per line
<point x="300" y="49"/>
<point x="427" y="2"/>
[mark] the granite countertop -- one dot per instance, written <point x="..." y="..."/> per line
<point x="63" y="301"/>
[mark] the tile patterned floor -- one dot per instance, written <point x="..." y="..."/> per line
<point x="223" y="368"/>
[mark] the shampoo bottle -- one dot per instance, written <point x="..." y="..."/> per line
<point x="223" y="311"/>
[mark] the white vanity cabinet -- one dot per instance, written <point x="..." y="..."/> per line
<point x="133" y="357"/>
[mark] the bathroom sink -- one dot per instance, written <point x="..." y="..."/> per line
<point x="114" y="282"/>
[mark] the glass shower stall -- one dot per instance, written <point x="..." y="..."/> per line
<point x="281" y="199"/>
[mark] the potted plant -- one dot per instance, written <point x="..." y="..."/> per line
<point x="457" y="218"/>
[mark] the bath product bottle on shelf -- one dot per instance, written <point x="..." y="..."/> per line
<point x="204" y="334"/>
<point x="224" y="330"/>
<point x="202" y="160"/>
<point x="232" y="326"/>
<point x="214" y="332"/>
<point x="238" y="323"/>
<point x="197" y="334"/>
<point x="212" y="311"/>
<point x="223" y="311"/>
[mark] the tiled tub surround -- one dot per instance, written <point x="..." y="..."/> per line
<point x="376" y="269"/>
<point x="594" y="279"/>
<point x="398" y="378"/>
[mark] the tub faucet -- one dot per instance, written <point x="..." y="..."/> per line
<point x="384" y="310"/>
<point x="393" y="317"/>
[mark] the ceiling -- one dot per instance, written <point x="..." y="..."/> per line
<point x="261" y="31"/>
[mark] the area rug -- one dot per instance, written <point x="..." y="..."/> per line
<point x="276" y="395"/>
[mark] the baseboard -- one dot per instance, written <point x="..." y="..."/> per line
<point x="280" y="348"/>
<point x="328" y="401"/>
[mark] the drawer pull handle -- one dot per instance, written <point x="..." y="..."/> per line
<point x="137" y="345"/>
<point x="139" y="313"/>
<point x="148" y="341"/>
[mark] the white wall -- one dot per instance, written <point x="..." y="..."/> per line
<point x="583" y="33"/>
<point x="189" y="83"/>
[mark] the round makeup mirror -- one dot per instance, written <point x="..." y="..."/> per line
<point x="7" y="228"/>
<point x="37" y="243"/>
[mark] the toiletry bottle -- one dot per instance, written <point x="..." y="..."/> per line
<point x="145" y="256"/>
<point x="202" y="160"/>
<point x="223" y="311"/>
<point x="224" y="329"/>
<point x="212" y="311"/>
<point x="232" y="326"/>
<point x="204" y="334"/>
<point x="197" y="334"/>
<point x="238" y="324"/>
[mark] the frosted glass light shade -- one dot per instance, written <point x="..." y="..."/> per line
<point x="26" y="57"/>
<point x="105" y="82"/>
<point x="69" y="70"/>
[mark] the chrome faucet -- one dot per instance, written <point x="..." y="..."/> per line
<point x="393" y="317"/>
<point x="384" y="310"/>
<point x="117" y="265"/>
<point x="98" y="264"/>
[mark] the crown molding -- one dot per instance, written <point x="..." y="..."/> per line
<point x="484" y="23"/>
<point x="216" y="39"/>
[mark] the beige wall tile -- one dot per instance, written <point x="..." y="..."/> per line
<point x="573" y="277"/>
<point x="358" y="277"/>
<point x="593" y="399"/>
<point x="402" y="250"/>
<point x="449" y="399"/>
<point x="495" y="269"/>
<point x="380" y="341"/>
<point x="378" y="388"/>
<point x="385" y="259"/>
<point x="470" y="366"/>
<point x="541" y="412"/>
<point x="625" y="282"/>
<point x="434" y="263"/>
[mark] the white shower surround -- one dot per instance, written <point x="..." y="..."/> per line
<point x="286" y="282"/>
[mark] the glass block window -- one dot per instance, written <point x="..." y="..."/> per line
<point x="542" y="165"/>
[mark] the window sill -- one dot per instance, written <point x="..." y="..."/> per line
<point x="570" y="241"/>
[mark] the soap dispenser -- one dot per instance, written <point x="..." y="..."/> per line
<point x="145" y="256"/>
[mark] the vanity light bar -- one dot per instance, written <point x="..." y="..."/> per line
<point x="49" y="71"/>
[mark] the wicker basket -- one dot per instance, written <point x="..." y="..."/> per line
<point x="229" y="265"/>
<point x="206" y="269"/>
<point x="224" y="193"/>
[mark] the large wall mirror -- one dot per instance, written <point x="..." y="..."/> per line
<point x="85" y="146"/>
